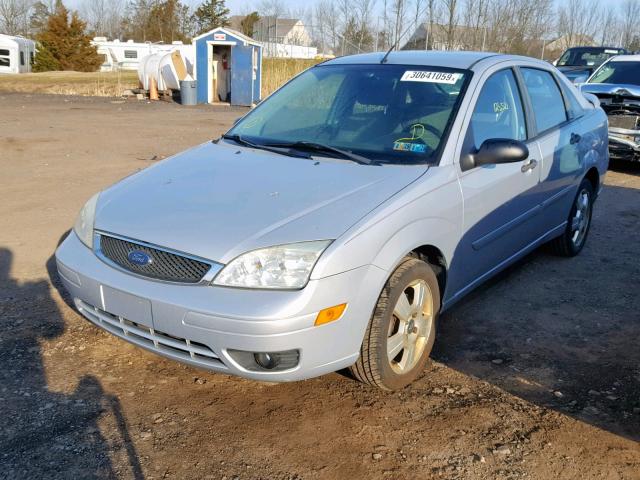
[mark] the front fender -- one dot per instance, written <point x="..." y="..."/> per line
<point x="429" y="212"/>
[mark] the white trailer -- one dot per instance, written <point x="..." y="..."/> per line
<point x="16" y="54"/>
<point x="127" y="55"/>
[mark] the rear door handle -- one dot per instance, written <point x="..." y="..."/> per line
<point x="529" y="165"/>
<point x="575" y="138"/>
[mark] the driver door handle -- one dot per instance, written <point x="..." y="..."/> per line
<point x="529" y="165"/>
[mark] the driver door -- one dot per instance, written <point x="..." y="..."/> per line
<point x="499" y="199"/>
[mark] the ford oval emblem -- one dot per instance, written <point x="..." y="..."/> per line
<point x="140" y="258"/>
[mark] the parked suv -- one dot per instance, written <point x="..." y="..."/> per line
<point x="332" y="224"/>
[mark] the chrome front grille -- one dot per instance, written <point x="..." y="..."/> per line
<point x="159" y="342"/>
<point x="163" y="265"/>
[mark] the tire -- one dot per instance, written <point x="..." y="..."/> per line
<point x="571" y="242"/>
<point x="398" y="320"/>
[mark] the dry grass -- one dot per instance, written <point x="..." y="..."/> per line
<point x="276" y="71"/>
<point x="98" y="84"/>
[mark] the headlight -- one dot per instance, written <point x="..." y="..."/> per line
<point x="84" y="223"/>
<point x="280" y="267"/>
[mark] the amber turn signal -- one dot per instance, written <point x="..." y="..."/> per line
<point x="330" y="314"/>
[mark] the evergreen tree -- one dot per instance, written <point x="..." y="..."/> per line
<point x="247" y="24"/>
<point x="63" y="44"/>
<point x="211" y="14"/>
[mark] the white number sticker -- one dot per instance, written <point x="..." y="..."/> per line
<point x="430" y="77"/>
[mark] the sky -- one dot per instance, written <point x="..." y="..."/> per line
<point x="239" y="6"/>
<point x="236" y="6"/>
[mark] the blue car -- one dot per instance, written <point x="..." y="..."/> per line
<point x="333" y="224"/>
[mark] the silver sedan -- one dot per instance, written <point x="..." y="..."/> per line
<point x="332" y="224"/>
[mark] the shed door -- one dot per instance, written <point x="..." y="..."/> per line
<point x="241" y="75"/>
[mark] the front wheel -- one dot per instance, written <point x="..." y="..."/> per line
<point x="571" y="242"/>
<point x="401" y="332"/>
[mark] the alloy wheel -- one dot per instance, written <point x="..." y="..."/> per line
<point x="410" y="326"/>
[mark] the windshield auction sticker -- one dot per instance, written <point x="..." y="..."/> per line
<point x="430" y="77"/>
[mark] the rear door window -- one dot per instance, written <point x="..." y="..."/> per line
<point x="546" y="100"/>
<point x="574" y="108"/>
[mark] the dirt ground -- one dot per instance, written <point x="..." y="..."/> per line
<point x="536" y="375"/>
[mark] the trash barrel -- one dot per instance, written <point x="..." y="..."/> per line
<point x="188" y="94"/>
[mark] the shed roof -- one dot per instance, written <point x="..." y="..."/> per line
<point x="228" y="31"/>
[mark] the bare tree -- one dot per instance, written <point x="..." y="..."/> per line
<point x="104" y="17"/>
<point x="630" y="25"/>
<point x="609" y="25"/>
<point x="576" y="23"/>
<point x="451" y="12"/>
<point x="272" y="8"/>
<point x="14" y="16"/>
<point x="327" y="24"/>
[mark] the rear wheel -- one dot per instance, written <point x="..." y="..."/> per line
<point x="571" y="242"/>
<point x="401" y="332"/>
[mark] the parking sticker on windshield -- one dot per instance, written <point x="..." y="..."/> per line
<point x="430" y="77"/>
<point x="408" y="144"/>
<point x="410" y="147"/>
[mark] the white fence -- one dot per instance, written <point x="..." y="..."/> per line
<point x="282" y="50"/>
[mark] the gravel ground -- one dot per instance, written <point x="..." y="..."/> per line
<point x="535" y="375"/>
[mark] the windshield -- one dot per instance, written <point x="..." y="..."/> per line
<point x="586" y="57"/>
<point x="618" y="72"/>
<point x="386" y="113"/>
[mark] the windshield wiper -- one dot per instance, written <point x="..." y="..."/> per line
<point x="239" y="139"/>
<point x="319" y="147"/>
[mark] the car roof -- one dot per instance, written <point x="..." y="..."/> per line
<point x="432" y="58"/>
<point x="586" y="47"/>
<point x="625" y="58"/>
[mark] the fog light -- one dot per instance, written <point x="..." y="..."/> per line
<point x="266" y="360"/>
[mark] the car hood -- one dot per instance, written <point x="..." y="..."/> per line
<point x="576" y="71"/>
<point x="622" y="90"/>
<point x="218" y="201"/>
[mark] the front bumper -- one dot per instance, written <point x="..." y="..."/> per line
<point x="199" y="324"/>
<point x="624" y="144"/>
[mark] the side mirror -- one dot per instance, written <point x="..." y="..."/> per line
<point x="495" y="150"/>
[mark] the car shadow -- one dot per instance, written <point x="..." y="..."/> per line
<point x="562" y="332"/>
<point x="49" y="434"/>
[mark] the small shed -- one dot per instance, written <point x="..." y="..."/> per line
<point x="228" y="67"/>
<point x="16" y="54"/>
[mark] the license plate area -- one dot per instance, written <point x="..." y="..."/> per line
<point x="127" y="306"/>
